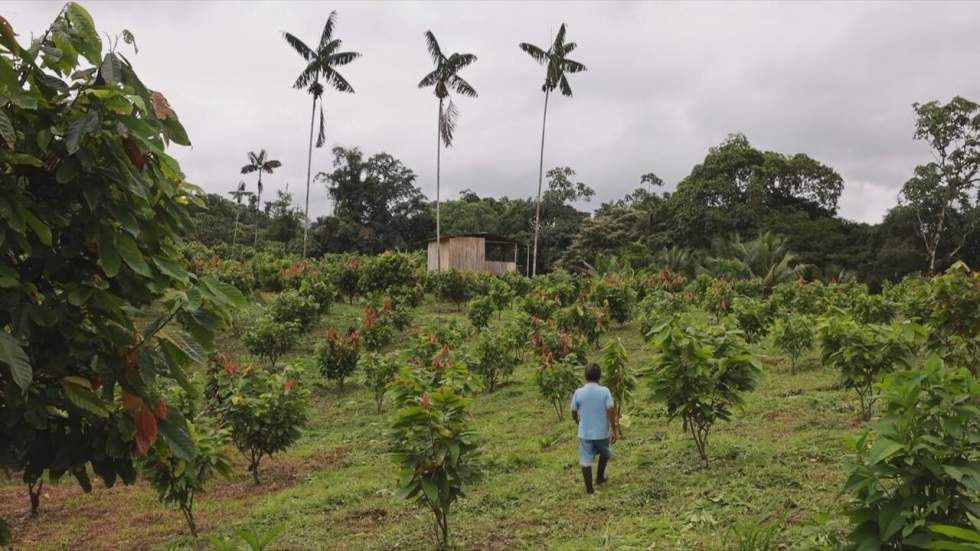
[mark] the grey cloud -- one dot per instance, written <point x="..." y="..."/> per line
<point x="666" y="81"/>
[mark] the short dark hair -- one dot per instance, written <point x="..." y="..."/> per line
<point x="593" y="373"/>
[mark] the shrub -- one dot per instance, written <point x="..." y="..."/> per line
<point x="539" y="304"/>
<point x="344" y="272"/>
<point x="917" y="465"/>
<point x="270" y="339"/>
<point x="700" y="373"/>
<point x="376" y="330"/>
<point x="955" y="318"/>
<point x="431" y="438"/>
<point x="617" y="374"/>
<point x="336" y="355"/>
<point x="480" y="309"/>
<point x="560" y="285"/>
<point x="793" y="334"/>
<point x="753" y="317"/>
<point x="387" y="271"/>
<point x="500" y="293"/>
<point x="319" y="290"/>
<point x="863" y="353"/>
<point x="265" y="411"/>
<point x="557" y="379"/>
<point x="179" y="480"/>
<point x="379" y="371"/>
<point x="549" y="341"/>
<point x="494" y="359"/>
<point x="616" y="296"/>
<point x="584" y="319"/>
<point x="659" y="304"/>
<point x="294" y="307"/>
<point x="718" y="297"/>
<point x="518" y="283"/>
<point x="453" y="286"/>
<point x="516" y="334"/>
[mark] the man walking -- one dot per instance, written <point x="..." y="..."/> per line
<point x="598" y="427"/>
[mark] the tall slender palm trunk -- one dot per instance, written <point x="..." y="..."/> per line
<point x="258" y="207"/>
<point x="234" y="237"/>
<point x="438" y="166"/>
<point x="537" y="209"/>
<point x="309" y="164"/>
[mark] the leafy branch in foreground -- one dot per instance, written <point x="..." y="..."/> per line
<point x="98" y="308"/>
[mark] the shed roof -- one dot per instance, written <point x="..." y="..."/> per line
<point x="486" y="236"/>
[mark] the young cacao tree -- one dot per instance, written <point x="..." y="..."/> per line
<point x="700" y="373"/>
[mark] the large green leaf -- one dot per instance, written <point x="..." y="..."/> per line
<point x="180" y="442"/>
<point x="171" y="268"/>
<point x="108" y="254"/>
<point x="431" y="491"/>
<point x="224" y="292"/>
<point x="42" y="230"/>
<point x="79" y="392"/>
<point x="89" y="43"/>
<point x="13" y="355"/>
<point x="883" y="449"/>
<point x="131" y="255"/>
<point x="111" y="69"/>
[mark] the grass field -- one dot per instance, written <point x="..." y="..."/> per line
<point x="779" y="464"/>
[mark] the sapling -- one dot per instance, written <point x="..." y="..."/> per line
<point x="700" y="373"/>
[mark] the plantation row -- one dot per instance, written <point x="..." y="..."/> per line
<point x="911" y="346"/>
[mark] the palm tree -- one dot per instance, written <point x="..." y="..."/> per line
<point x="259" y="163"/>
<point x="445" y="80"/>
<point x="321" y="64"/>
<point x="557" y="65"/>
<point x="238" y="194"/>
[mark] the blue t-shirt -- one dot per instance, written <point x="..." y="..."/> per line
<point x="591" y="402"/>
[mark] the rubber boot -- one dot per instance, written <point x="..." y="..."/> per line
<point x="587" y="476"/>
<point x="601" y="473"/>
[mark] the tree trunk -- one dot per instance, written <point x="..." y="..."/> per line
<point x="537" y="209"/>
<point x="309" y="163"/>
<point x="34" y="491"/>
<point x="438" y="166"/>
<point x="258" y="209"/>
<point x="234" y="238"/>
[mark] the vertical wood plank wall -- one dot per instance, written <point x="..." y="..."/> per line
<point x="466" y="254"/>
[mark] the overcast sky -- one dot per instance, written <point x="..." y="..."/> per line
<point x="665" y="82"/>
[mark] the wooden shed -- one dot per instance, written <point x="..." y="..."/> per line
<point x="474" y="252"/>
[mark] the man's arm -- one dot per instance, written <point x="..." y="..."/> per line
<point x="613" y="424"/>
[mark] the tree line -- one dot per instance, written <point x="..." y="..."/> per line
<point x="737" y="193"/>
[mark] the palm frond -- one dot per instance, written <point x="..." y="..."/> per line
<point x="462" y="87"/>
<point x="269" y="166"/>
<point x="559" y="39"/>
<point x="537" y="54"/>
<point x="321" y="137"/>
<point x="566" y="90"/>
<point x="429" y="79"/>
<point x="328" y="29"/>
<point x="433" y="46"/>
<point x="447" y="123"/>
<point x="342" y="58"/>
<point x="310" y="74"/>
<point x="572" y="66"/>
<point x="568" y="48"/>
<point x="458" y="61"/>
<point x="338" y="82"/>
<point x="298" y="45"/>
<point x="248" y="169"/>
<point x="253" y="158"/>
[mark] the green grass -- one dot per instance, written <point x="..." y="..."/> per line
<point x="779" y="463"/>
